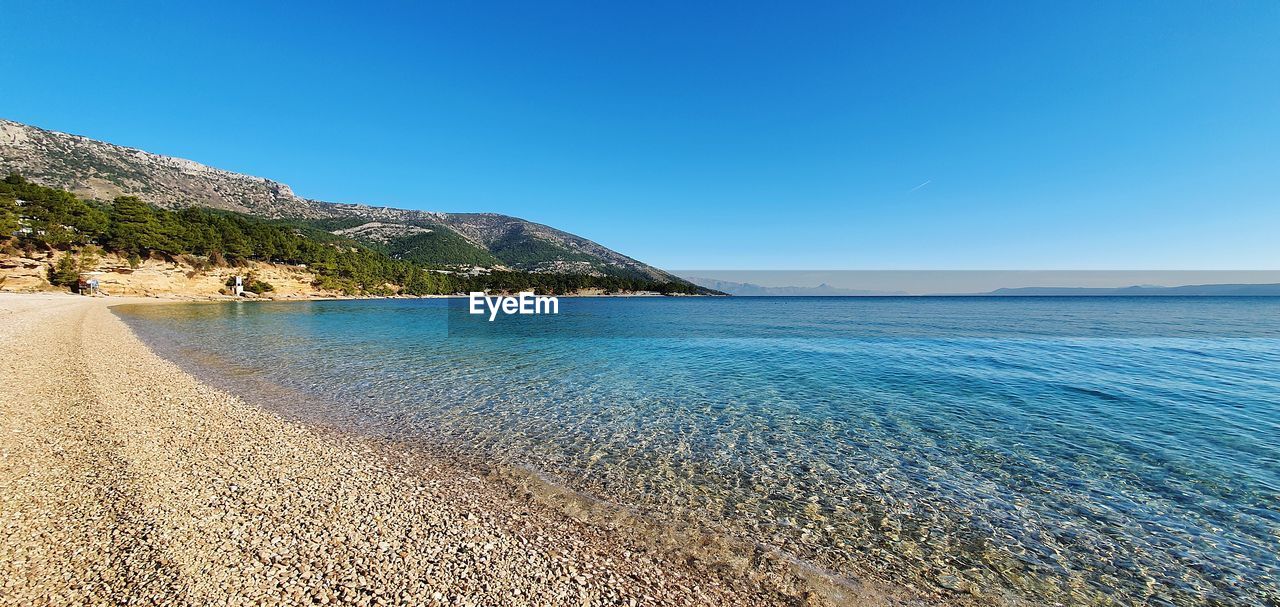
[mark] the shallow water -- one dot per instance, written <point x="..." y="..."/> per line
<point x="1081" y="450"/>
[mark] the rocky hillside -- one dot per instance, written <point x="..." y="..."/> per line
<point x="158" y="278"/>
<point x="102" y="171"/>
<point x="99" y="170"/>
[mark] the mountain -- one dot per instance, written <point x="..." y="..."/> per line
<point x="1222" y="290"/>
<point x="746" y="289"/>
<point x="101" y="171"/>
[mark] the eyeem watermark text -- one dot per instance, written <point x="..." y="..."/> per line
<point x="521" y="303"/>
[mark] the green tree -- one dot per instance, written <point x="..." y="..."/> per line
<point x="66" y="272"/>
<point x="56" y="217"/>
<point x="134" y="228"/>
<point x="257" y="285"/>
<point x="8" y="217"/>
<point x="88" y="259"/>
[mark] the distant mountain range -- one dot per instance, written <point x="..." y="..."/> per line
<point x="747" y="289"/>
<point x="1224" y="290"/>
<point x="102" y="171"/>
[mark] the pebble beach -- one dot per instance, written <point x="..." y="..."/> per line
<point x="125" y="481"/>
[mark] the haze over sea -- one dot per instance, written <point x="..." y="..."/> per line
<point x="1082" y="450"/>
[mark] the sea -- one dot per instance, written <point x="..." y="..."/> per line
<point x="1071" y="450"/>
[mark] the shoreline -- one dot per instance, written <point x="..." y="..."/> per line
<point x="115" y="300"/>
<point x="208" y="496"/>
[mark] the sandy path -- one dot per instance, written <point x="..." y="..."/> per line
<point x="125" y="481"/>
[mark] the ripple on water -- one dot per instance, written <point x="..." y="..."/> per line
<point x="1141" y="468"/>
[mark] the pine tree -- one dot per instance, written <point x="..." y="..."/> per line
<point x="8" y="218"/>
<point x="66" y="272"/>
<point x="134" y="228"/>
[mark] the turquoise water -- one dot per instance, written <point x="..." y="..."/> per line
<point x="1078" y="450"/>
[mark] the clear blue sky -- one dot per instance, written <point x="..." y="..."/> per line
<point x="746" y="135"/>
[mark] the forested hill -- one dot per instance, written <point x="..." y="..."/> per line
<point x="102" y="171"/>
<point x="34" y="216"/>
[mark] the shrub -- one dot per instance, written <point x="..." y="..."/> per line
<point x="197" y="264"/>
<point x="258" y="286"/>
<point x="252" y="283"/>
<point x="65" y="273"/>
<point x="89" y="258"/>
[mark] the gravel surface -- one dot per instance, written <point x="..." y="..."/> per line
<point x="124" y="480"/>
